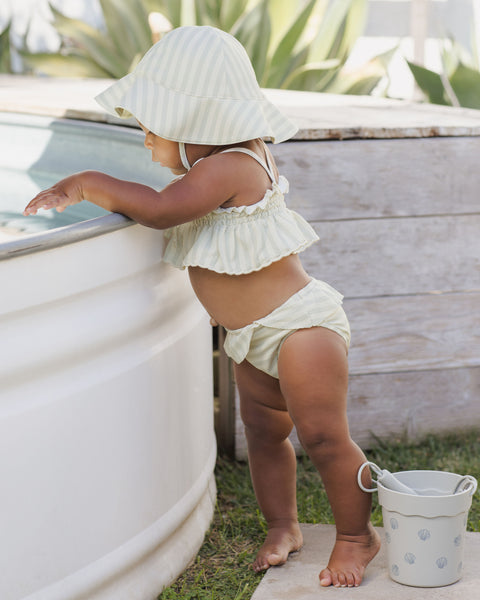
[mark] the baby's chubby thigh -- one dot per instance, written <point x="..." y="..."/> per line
<point x="262" y="407"/>
<point x="313" y="378"/>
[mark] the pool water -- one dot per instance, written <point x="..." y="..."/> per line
<point x="18" y="188"/>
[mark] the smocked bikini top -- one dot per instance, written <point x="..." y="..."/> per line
<point x="241" y="239"/>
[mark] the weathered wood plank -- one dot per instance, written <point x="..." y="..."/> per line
<point x="407" y="333"/>
<point x="381" y="178"/>
<point x="409" y="404"/>
<point x="397" y="256"/>
<point x="413" y="403"/>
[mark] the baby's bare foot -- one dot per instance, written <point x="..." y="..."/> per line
<point x="350" y="555"/>
<point x="282" y="538"/>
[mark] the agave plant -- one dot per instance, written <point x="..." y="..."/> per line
<point x="89" y="52"/>
<point x="292" y="45"/>
<point x="5" y="57"/>
<point x="459" y="82"/>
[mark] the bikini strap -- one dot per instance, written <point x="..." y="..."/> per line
<point x="183" y="156"/>
<point x="266" y="166"/>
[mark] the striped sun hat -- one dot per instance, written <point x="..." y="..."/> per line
<point x="197" y="85"/>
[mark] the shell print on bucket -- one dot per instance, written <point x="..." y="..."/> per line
<point x="424" y="534"/>
<point x="393" y="523"/>
<point x="441" y="562"/>
<point x="410" y="558"/>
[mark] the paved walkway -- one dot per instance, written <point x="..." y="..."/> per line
<point x="298" y="578"/>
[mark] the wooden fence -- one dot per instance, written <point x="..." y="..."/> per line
<point x="399" y="227"/>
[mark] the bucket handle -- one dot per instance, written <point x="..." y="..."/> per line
<point x="376" y="469"/>
<point x="387" y="479"/>
<point x="466" y="483"/>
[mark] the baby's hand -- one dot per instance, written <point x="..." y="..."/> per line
<point x="66" y="192"/>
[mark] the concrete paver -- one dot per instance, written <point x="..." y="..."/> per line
<point x="298" y="578"/>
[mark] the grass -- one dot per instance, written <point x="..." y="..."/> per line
<point x="222" y="570"/>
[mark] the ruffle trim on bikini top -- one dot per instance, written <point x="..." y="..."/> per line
<point x="240" y="239"/>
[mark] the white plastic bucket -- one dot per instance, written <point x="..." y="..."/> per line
<point x="425" y="531"/>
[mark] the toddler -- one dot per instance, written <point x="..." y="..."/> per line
<point x="195" y="96"/>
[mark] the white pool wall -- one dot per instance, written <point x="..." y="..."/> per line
<point x="107" y="446"/>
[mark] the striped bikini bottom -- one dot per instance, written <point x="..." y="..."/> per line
<point x="315" y="305"/>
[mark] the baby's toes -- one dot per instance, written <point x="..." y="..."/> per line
<point x="326" y="578"/>
<point x="358" y="576"/>
<point x="350" y="579"/>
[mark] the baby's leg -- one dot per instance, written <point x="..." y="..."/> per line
<point x="272" y="462"/>
<point x="313" y="373"/>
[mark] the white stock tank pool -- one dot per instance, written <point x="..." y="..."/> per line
<point x="107" y="445"/>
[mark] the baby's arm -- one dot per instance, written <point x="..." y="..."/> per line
<point x="194" y="195"/>
<point x="132" y="199"/>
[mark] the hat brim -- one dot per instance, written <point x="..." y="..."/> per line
<point x="190" y="119"/>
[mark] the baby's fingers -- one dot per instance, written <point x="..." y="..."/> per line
<point x="46" y="203"/>
<point x="33" y="206"/>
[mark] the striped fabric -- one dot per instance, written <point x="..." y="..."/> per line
<point x="240" y="239"/>
<point x="316" y="305"/>
<point x="197" y="85"/>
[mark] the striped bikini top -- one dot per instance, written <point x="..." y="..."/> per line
<point x="241" y="239"/>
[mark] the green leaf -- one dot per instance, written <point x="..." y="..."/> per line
<point x="174" y="12"/>
<point x="63" y="65"/>
<point x="188" y="14"/>
<point x="354" y="25"/>
<point x="333" y="25"/>
<point x="475" y="47"/>
<point x="171" y="9"/>
<point x="466" y="85"/>
<point x="127" y="25"/>
<point x="136" y="59"/>
<point x="295" y="62"/>
<point x="253" y="31"/>
<point x="219" y="13"/>
<point x="5" y="58"/>
<point x="285" y="48"/>
<point x="230" y="12"/>
<point x="449" y="58"/>
<point x="206" y="12"/>
<point x="363" y="80"/>
<point x="313" y="69"/>
<point x="338" y="31"/>
<point x="363" y="86"/>
<point x="430" y="83"/>
<point x="282" y="14"/>
<point x="99" y="47"/>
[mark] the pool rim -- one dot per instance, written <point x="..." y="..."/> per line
<point x="61" y="236"/>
